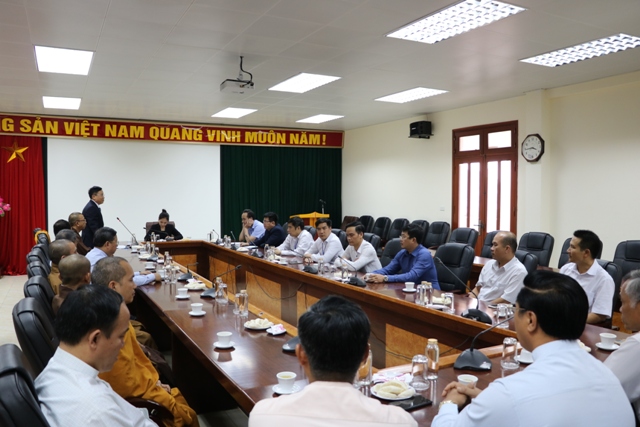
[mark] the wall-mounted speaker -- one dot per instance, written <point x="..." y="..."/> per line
<point x="420" y="130"/>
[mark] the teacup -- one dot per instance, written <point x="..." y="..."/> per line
<point x="525" y="356"/>
<point x="286" y="380"/>
<point x="149" y="266"/>
<point x="468" y="380"/>
<point x="409" y="285"/>
<point x="607" y="339"/>
<point x="182" y="292"/>
<point x="196" y="308"/>
<point x="224" y="338"/>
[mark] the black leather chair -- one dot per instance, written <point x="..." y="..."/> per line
<point x="35" y="256"/>
<point x="564" y="256"/>
<point x="437" y="235"/>
<point x="615" y="273"/>
<point x="367" y="221"/>
<point x="43" y="238"/>
<point x="373" y="239"/>
<point x="39" y="288"/>
<point x="381" y="227"/>
<point x="44" y="251"/>
<point x="539" y="244"/>
<point x="311" y="230"/>
<point x="35" y="333"/>
<point x="396" y="228"/>
<point x="391" y="249"/>
<point x="468" y="236"/>
<point x="529" y="260"/>
<point x="36" y="268"/>
<point x="627" y="256"/>
<point x="348" y="219"/>
<point x="342" y="236"/>
<point x="19" y="404"/>
<point x="488" y="242"/>
<point x="424" y="226"/>
<point x="458" y="257"/>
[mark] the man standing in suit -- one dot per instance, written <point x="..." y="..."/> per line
<point x="93" y="215"/>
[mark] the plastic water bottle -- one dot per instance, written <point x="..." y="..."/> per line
<point x="221" y="292"/>
<point x="243" y="303"/>
<point x="320" y="266"/>
<point x="433" y="354"/>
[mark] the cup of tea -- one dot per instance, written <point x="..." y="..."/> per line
<point x="196" y="308"/>
<point x="183" y="292"/>
<point x="286" y="380"/>
<point x="224" y="338"/>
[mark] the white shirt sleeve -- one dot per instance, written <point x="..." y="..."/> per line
<point x="624" y="364"/>
<point x="603" y="296"/>
<point x="515" y="285"/>
<point x="490" y="408"/>
<point x="332" y="249"/>
<point x="143" y="279"/>
<point x="299" y="248"/>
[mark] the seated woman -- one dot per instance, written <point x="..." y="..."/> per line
<point x="163" y="229"/>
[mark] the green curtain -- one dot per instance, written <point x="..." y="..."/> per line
<point x="287" y="181"/>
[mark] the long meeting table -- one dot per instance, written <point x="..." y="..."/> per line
<point x="213" y="379"/>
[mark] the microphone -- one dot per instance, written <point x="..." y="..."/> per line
<point x="323" y="203"/>
<point x="439" y="261"/>
<point x="234" y="236"/>
<point x="186" y="276"/>
<point x="476" y="360"/>
<point x="211" y="293"/>
<point x="356" y="281"/>
<point x="213" y="230"/>
<point x="134" y="241"/>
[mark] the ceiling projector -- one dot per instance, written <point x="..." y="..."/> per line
<point x="236" y="86"/>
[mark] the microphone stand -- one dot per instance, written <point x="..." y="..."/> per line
<point x="186" y="276"/>
<point x="439" y="261"/>
<point x="134" y="241"/>
<point x="476" y="360"/>
<point x="356" y="281"/>
<point x="211" y="293"/>
<point x="323" y="203"/>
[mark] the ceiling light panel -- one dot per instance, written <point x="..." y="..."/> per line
<point x="584" y="51"/>
<point x="456" y="19"/>
<point x="411" y="95"/>
<point x="234" y="113"/>
<point x="303" y="82"/>
<point x="61" y="103"/>
<point x="319" y="118"/>
<point x="64" y="61"/>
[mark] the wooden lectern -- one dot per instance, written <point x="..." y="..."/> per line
<point x="310" y="218"/>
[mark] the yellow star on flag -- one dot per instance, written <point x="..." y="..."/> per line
<point x="16" y="151"/>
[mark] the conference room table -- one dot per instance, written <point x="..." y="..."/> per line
<point x="214" y="379"/>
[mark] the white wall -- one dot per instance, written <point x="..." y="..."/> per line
<point x="139" y="180"/>
<point x="586" y="179"/>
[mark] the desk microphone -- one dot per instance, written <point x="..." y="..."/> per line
<point x="134" y="241"/>
<point x="186" y="276"/>
<point x="323" y="204"/>
<point x="439" y="261"/>
<point x="211" y="293"/>
<point x="234" y="246"/>
<point x="476" y="360"/>
<point x="213" y="230"/>
<point x="356" y="281"/>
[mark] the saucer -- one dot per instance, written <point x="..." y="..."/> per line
<point x="279" y="390"/>
<point x="221" y="346"/>
<point x="409" y="290"/>
<point x="201" y="313"/>
<point x="602" y="347"/>
<point x="524" y="361"/>
<point x="183" y="297"/>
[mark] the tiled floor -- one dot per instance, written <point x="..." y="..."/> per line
<point x="11" y="293"/>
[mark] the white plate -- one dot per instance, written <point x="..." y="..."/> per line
<point x="257" y="328"/>
<point x="243" y="249"/>
<point x="296" y="388"/>
<point x="397" y="398"/>
<point x="524" y="362"/>
<point x="437" y="306"/>
<point x="409" y="290"/>
<point x="199" y="314"/>
<point x="220" y="346"/>
<point x="279" y="333"/>
<point x="184" y="297"/>
<point x="602" y="347"/>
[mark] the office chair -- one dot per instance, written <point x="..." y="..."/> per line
<point x="468" y="236"/>
<point x="488" y="242"/>
<point x="391" y="249"/>
<point x="539" y="244"/>
<point x="529" y="260"/>
<point x="437" y="234"/>
<point x="458" y="257"/>
<point x="39" y="288"/>
<point x="395" y="229"/>
<point x="367" y="221"/>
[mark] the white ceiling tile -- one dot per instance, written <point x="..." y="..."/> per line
<point x="312" y="51"/>
<point x="280" y="28"/>
<point x="13" y="14"/>
<point x="217" y="19"/>
<point x="321" y="12"/>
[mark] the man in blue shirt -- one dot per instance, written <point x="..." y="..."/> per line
<point x="252" y="229"/>
<point x="274" y="234"/>
<point x="413" y="263"/>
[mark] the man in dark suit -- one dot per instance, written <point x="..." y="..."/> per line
<point x="93" y="215"/>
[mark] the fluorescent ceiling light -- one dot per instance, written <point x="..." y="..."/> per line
<point x="234" y="113"/>
<point x="62" y="103"/>
<point x="585" y="51"/>
<point x="65" y="61"/>
<point x="411" y="95"/>
<point x="303" y="82"/>
<point x="320" y="118"/>
<point x="456" y="19"/>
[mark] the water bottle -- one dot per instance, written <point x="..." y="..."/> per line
<point x="243" y="303"/>
<point x="433" y="354"/>
<point x="221" y="292"/>
<point x="320" y="266"/>
<point x="429" y="292"/>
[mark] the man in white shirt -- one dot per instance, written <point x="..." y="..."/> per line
<point x="624" y="361"/>
<point x="334" y="342"/>
<point x="252" y="229"/>
<point x="90" y="325"/>
<point x="298" y="241"/>
<point x="327" y="246"/>
<point x="585" y="246"/>
<point x="564" y="386"/>
<point x="360" y="253"/>
<point x="501" y="278"/>
<point x="106" y="244"/>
